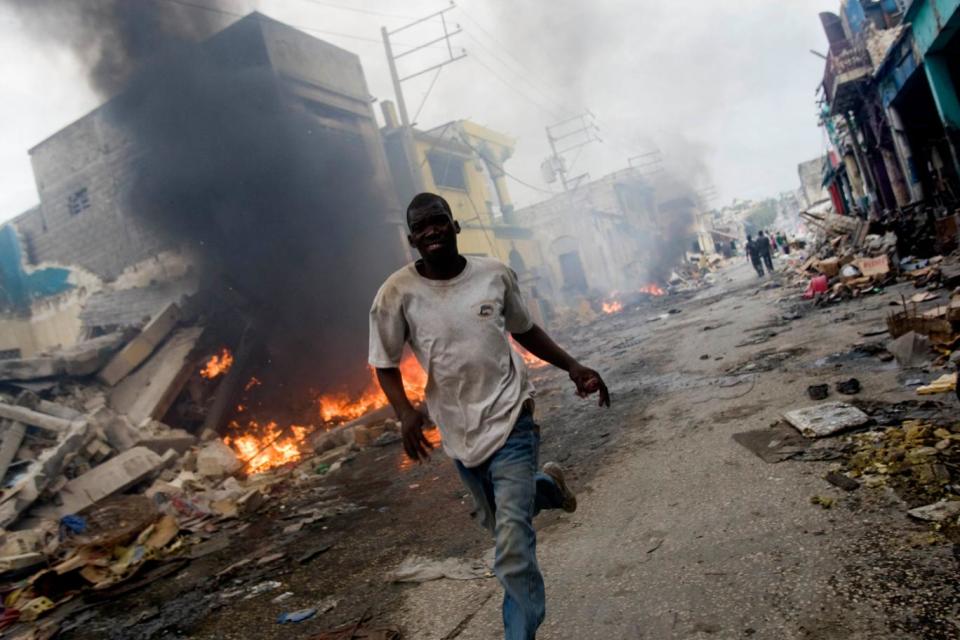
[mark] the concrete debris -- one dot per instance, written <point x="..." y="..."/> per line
<point x="139" y="349"/>
<point x="216" y="460"/>
<point x="149" y="391"/>
<point x="826" y="419"/>
<point x="116" y="475"/>
<point x="419" y="569"/>
<point x="936" y="512"/>
<point x="81" y="360"/>
<point x="910" y="350"/>
<point x="944" y="384"/>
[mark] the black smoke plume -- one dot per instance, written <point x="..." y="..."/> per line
<point x="282" y="211"/>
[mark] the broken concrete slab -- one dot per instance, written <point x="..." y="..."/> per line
<point x="911" y="350"/>
<point x="148" y="392"/>
<point x="113" y="476"/>
<point x="34" y="418"/>
<point x="82" y="359"/>
<point x="176" y="439"/>
<point x="217" y="459"/>
<point x="11" y="436"/>
<point x="936" y="512"/>
<point x="826" y="419"/>
<point x="40" y="473"/>
<point x="140" y="348"/>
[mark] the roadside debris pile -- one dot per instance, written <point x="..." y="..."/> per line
<point x="849" y="262"/>
<point x="921" y="460"/>
<point x="98" y="487"/>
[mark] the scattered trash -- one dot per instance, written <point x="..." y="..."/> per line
<point x="296" y="616"/>
<point x="773" y="445"/>
<point x="263" y="587"/>
<point x="823" y="501"/>
<point x="286" y="595"/>
<point x="826" y="419"/>
<point x="944" y="384"/>
<point x="842" y="481"/>
<point x="936" y="512"/>
<point x="419" y="569"/>
<point x="911" y="350"/>
<point x="849" y="387"/>
<point x="818" y="391"/>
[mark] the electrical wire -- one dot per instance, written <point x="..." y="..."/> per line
<point x="427" y="94"/>
<point x="562" y="110"/>
<point x="506" y="83"/>
<point x="234" y="14"/>
<point x="527" y="73"/>
<point x="369" y="12"/>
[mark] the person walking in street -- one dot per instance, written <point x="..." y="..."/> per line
<point x="764" y="248"/>
<point x="456" y="313"/>
<point x="753" y="252"/>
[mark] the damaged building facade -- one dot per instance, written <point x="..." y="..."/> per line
<point x="891" y="110"/>
<point x="91" y="257"/>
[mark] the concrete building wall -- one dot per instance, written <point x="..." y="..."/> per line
<point x="82" y="172"/>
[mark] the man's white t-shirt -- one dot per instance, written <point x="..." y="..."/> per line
<point x="457" y="329"/>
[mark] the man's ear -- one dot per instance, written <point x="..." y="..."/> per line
<point x="410" y="240"/>
<point x="456" y="225"/>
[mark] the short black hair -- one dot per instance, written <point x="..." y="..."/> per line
<point x="427" y="200"/>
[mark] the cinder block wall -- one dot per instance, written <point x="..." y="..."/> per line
<point x="98" y="233"/>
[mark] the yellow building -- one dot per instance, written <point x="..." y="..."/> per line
<point x="463" y="162"/>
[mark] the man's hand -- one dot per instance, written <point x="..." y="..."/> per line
<point x="589" y="382"/>
<point x="414" y="442"/>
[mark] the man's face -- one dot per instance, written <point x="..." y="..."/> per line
<point x="433" y="232"/>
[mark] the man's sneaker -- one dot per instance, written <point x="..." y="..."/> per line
<point x="569" y="503"/>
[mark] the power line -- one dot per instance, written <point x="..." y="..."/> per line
<point x="369" y="12"/>
<point x="521" y="76"/>
<point x="427" y="94"/>
<point x="507" y="83"/>
<point x="501" y="167"/>
<point x="520" y="65"/>
<point x="234" y="14"/>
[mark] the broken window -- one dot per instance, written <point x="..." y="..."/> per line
<point x="78" y="201"/>
<point x="447" y="170"/>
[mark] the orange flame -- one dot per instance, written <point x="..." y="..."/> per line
<point x="532" y="361"/>
<point x="614" y="306"/>
<point x="218" y="364"/>
<point x="263" y="447"/>
<point x="340" y="406"/>
<point x="653" y="290"/>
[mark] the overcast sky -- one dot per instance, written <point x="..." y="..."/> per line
<point x="724" y="90"/>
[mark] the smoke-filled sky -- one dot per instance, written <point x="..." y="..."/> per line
<point x="724" y="90"/>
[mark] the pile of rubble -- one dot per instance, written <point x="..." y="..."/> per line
<point x="96" y="487"/>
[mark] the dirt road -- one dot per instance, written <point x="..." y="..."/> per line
<point x="683" y="533"/>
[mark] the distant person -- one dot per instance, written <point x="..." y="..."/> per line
<point x="783" y="242"/>
<point x="765" y="250"/>
<point x="753" y="252"/>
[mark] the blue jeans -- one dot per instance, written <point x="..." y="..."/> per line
<point x="508" y="492"/>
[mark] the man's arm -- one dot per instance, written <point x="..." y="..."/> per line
<point x="588" y="381"/>
<point x="411" y="420"/>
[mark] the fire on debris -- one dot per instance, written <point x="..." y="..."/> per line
<point x="340" y="406"/>
<point x="613" y="306"/>
<point x="218" y="364"/>
<point x="653" y="289"/>
<point x="264" y="447"/>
